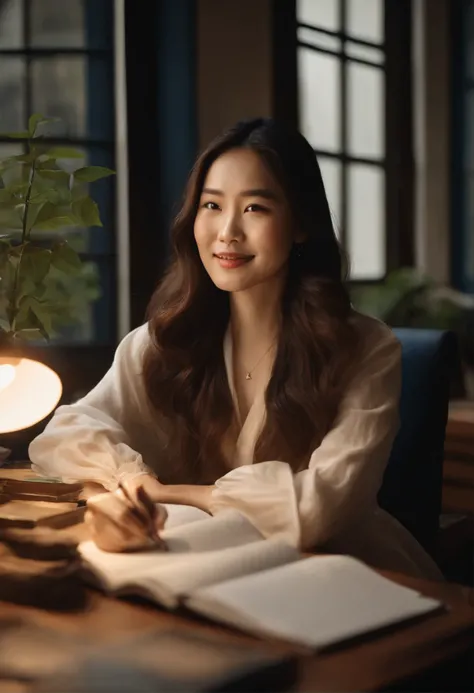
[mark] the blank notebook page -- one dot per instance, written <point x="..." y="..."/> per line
<point x="315" y="601"/>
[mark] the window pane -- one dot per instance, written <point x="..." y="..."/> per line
<point x="322" y="13"/>
<point x="331" y="171"/>
<point x="373" y="55"/>
<point x="78" y="91"/>
<point x="366" y="111"/>
<point x="52" y="26"/>
<point x="319" y="98"/>
<point x="11" y="24"/>
<point x="318" y="39"/>
<point x="94" y="319"/>
<point x="366" y="221"/>
<point x="365" y="19"/>
<point x="12" y="94"/>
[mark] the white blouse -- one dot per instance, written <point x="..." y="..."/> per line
<point x="111" y="434"/>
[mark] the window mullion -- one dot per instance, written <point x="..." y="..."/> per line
<point x="343" y="123"/>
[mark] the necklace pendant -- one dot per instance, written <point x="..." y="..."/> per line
<point x="248" y="376"/>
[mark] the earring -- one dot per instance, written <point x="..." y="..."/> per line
<point x="297" y="249"/>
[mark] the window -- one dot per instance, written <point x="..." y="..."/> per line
<point x="342" y="68"/>
<point x="56" y="58"/>
<point x="463" y="145"/>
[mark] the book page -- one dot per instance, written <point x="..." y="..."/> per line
<point x="181" y="572"/>
<point x="183" y="514"/>
<point x="315" y="601"/>
<point x="228" y="528"/>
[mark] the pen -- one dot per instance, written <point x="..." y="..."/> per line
<point x="152" y="534"/>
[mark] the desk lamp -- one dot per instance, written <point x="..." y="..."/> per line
<point x="29" y="391"/>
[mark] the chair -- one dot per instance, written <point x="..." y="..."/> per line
<point x="412" y="485"/>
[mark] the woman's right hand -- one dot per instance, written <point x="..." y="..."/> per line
<point x="127" y="521"/>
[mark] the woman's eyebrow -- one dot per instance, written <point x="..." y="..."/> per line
<point x="254" y="192"/>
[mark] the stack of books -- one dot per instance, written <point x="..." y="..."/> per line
<point x="28" y="500"/>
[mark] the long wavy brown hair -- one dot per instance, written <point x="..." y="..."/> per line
<point x="184" y="370"/>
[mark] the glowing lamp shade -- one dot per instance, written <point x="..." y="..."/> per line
<point x="29" y="391"/>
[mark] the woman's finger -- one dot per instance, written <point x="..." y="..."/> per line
<point x="115" y="510"/>
<point x="109" y="536"/>
<point x="135" y="506"/>
<point x="160" y="515"/>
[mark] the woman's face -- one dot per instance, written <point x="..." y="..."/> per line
<point x="243" y="228"/>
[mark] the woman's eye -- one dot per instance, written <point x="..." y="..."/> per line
<point x="256" y="208"/>
<point x="210" y="205"/>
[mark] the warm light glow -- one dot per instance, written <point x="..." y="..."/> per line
<point x="7" y="375"/>
<point x="29" y="391"/>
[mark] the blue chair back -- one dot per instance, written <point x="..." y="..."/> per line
<point x="412" y="485"/>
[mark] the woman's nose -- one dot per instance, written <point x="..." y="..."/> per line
<point x="230" y="229"/>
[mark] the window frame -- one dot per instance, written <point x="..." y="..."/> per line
<point x="461" y="170"/>
<point x="398" y="116"/>
<point x="104" y="334"/>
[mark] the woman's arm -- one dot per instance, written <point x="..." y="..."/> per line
<point x="197" y="496"/>
<point x="94" y="440"/>
<point x="344" y="473"/>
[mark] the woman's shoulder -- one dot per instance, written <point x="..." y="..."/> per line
<point x="133" y="344"/>
<point x="373" y="332"/>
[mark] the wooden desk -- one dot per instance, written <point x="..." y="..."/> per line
<point x="381" y="662"/>
<point x="458" y="469"/>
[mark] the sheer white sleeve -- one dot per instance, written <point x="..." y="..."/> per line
<point x="97" y="438"/>
<point x="344" y="473"/>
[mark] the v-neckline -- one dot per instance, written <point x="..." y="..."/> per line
<point x="229" y="364"/>
<point x="251" y="427"/>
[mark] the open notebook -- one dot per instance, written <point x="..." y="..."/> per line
<point x="222" y="568"/>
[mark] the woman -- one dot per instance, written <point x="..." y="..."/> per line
<point x="253" y="385"/>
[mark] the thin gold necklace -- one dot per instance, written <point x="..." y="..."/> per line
<point x="248" y="374"/>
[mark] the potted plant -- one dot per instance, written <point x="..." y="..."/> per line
<point x="410" y="298"/>
<point x="43" y="284"/>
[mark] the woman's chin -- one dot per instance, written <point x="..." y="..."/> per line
<point x="232" y="284"/>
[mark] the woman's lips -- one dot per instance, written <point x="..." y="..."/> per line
<point x="232" y="262"/>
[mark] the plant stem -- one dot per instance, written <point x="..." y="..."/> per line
<point x="24" y="234"/>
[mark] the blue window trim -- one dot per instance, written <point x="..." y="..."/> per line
<point x="176" y="41"/>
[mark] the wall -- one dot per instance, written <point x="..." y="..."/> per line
<point x="432" y="104"/>
<point x="234" y="69"/>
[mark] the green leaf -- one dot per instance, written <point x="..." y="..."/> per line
<point x="33" y="121"/>
<point x="87" y="211"/>
<point x="29" y="333"/>
<point x="52" y="217"/>
<point x="65" y="153"/>
<point x="56" y="223"/>
<point x="9" y="219"/>
<point x="24" y="135"/>
<point x="7" y="276"/>
<point x="35" y="315"/>
<point x="35" y="263"/>
<point x="15" y="190"/>
<point x="89" y="174"/>
<point x="66" y="259"/>
<point x="27" y="158"/>
<point x="4" y="324"/>
<point x="53" y="174"/>
<point x="50" y="195"/>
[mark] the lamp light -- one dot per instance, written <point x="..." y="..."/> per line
<point x="29" y="391"/>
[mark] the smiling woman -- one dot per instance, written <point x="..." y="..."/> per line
<point x="254" y="385"/>
<point x="244" y="227"/>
